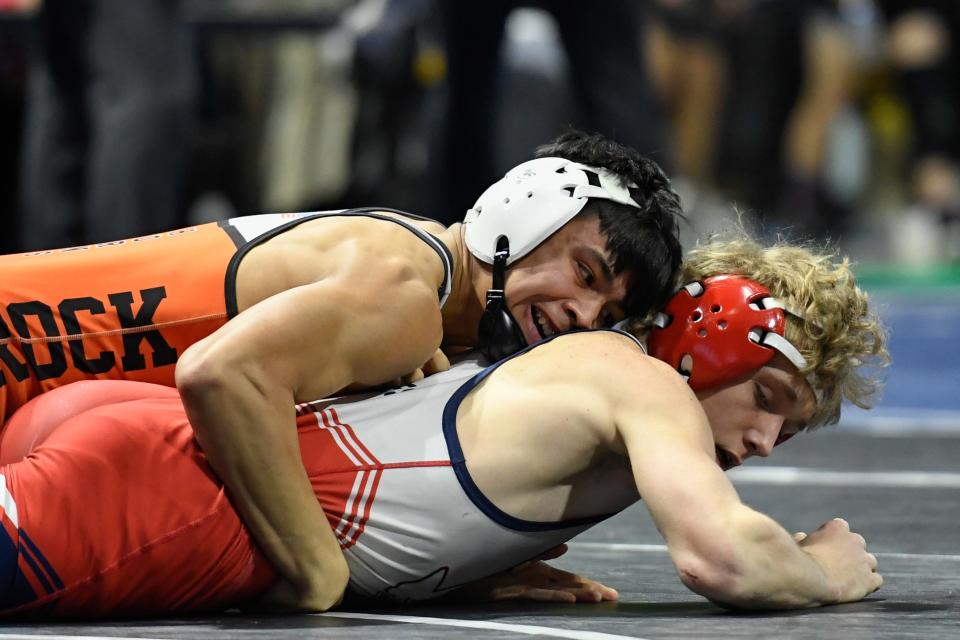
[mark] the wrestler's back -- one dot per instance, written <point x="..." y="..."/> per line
<point x="319" y="247"/>
<point x="427" y="470"/>
<point x="128" y="309"/>
<point x="543" y="402"/>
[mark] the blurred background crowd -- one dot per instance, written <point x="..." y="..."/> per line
<point x="813" y="119"/>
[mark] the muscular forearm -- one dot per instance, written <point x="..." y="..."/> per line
<point x="251" y="442"/>
<point x="742" y="559"/>
<point x="758" y="565"/>
<point x="240" y="383"/>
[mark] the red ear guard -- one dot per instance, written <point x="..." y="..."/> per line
<point x="720" y="330"/>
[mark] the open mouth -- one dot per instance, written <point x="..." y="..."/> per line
<point x="725" y="459"/>
<point x="541" y="323"/>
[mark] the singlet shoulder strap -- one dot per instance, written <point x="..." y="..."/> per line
<point x="615" y="329"/>
<point x="443" y="292"/>
<point x="458" y="460"/>
<point x="247" y="233"/>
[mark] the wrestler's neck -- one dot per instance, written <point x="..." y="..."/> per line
<point x="471" y="279"/>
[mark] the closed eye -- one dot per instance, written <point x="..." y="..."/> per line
<point x="760" y="394"/>
<point x="586" y="274"/>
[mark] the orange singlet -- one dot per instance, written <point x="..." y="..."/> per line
<point x="123" y="309"/>
<point x="128" y="309"/>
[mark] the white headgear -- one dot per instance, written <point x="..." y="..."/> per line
<point x="533" y="201"/>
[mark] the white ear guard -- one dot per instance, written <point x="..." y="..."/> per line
<point x="533" y="200"/>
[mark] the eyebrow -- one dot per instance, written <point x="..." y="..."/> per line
<point x="619" y="313"/>
<point x="602" y="261"/>
<point x="790" y="390"/>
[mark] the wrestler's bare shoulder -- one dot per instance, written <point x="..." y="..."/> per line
<point x="362" y="247"/>
<point x="585" y="377"/>
<point x="566" y="396"/>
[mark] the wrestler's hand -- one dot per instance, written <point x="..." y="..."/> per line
<point x="538" y="581"/>
<point x="437" y="363"/>
<point x="842" y="555"/>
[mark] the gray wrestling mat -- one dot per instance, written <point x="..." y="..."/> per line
<point x="901" y="491"/>
<point x="894" y="476"/>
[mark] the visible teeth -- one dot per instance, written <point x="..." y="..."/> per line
<point x="538" y="321"/>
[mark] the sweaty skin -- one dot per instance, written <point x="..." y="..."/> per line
<point x="642" y="432"/>
<point x="351" y="302"/>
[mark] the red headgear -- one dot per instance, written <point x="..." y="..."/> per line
<point x="719" y="330"/>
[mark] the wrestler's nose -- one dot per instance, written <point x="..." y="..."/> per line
<point x="584" y="313"/>
<point x="761" y="437"/>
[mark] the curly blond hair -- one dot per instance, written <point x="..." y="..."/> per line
<point x="840" y="336"/>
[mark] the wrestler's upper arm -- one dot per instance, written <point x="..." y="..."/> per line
<point x="315" y="339"/>
<point x="670" y="445"/>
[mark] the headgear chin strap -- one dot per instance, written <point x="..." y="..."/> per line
<point x="499" y="336"/>
<point x="721" y="329"/>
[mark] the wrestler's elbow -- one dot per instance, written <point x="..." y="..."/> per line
<point x="716" y="576"/>
<point x="198" y="372"/>
<point x="724" y="559"/>
<point x="323" y="592"/>
<point x="336" y="580"/>
<point x="208" y="384"/>
<point x="320" y="584"/>
<point x="741" y="565"/>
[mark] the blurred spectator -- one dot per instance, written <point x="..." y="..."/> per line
<point x="19" y="6"/>
<point x="829" y="54"/>
<point x="688" y="65"/>
<point x="610" y="85"/>
<point x="14" y="32"/>
<point x="398" y="67"/>
<point x="277" y="109"/>
<point x="923" y="45"/>
<point x="753" y="88"/>
<point x="112" y="84"/>
<point x="325" y="103"/>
